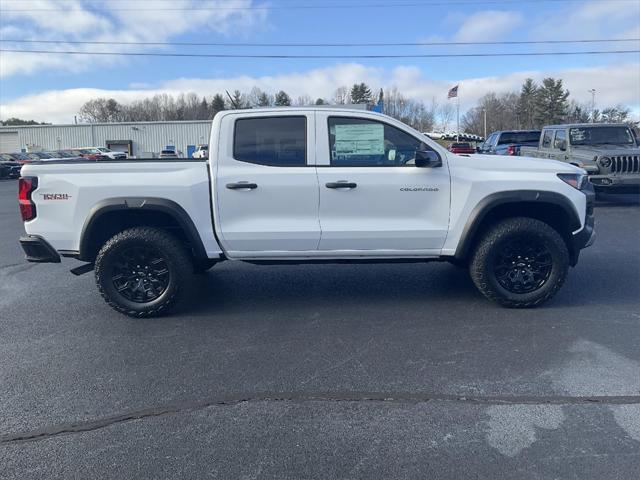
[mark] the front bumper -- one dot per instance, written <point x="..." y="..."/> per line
<point x="38" y="250"/>
<point x="613" y="182"/>
<point x="586" y="235"/>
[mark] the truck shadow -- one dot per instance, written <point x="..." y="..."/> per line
<point x="235" y="288"/>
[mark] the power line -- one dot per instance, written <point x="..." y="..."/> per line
<point x="323" y="6"/>
<point x="283" y="56"/>
<point x="400" y="44"/>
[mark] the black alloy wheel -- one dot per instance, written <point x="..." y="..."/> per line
<point x="140" y="274"/>
<point x="522" y="265"/>
<point x="144" y="271"/>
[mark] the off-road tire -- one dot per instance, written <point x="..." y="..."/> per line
<point x="526" y="230"/>
<point x="174" y="254"/>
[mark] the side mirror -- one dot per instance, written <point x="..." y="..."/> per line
<point x="427" y="159"/>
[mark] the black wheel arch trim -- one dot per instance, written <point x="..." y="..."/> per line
<point x="150" y="204"/>
<point x="488" y="203"/>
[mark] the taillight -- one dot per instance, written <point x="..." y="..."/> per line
<point x="26" y="186"/>
<point x="511" y="150"/>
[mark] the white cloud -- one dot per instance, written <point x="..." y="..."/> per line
<point x="487" y="26"/>
<point x="80" y="20"/>
<point x="615" y="83"/>
<point x="590" y="20"/>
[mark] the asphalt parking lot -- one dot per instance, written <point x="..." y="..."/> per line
<point x="345" y="371"/>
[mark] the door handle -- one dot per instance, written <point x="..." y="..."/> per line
<point x="242" y="186"/>
<point x="341" y="184"/>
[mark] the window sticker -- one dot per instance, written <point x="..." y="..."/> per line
<point x="363" y="139"/>
<point x="577" y="134"/>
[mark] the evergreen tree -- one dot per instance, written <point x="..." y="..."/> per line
<point x="527" y="103"/>
<point x="264" y="100"/>
<point x="319" y="101"/>
<point x="551" y="103"/>
<point x="282" y="99"/>
<point x="361" y="93"/>
<point x="217" y="104"/>
<point x="239" y="99"/>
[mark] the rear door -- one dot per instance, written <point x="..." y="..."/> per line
<point x="546" y="144"/>
<point x="374" y="201"/>
<point x="266" y="185"/>
<point x="559" y="140"/>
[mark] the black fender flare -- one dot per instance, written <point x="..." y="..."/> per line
<point x="150" y="204"/>
<point x="488" y="203"/>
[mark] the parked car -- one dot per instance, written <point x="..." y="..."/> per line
<point x="202" y="151"/>
<point x="517" y="225"/>
<point x="64" y="154"/>
<point x="19" y="157"/>
<point x="461" y="148"/>
<point x="89" y="154"/>
<point x="36" y="156"/>
<point x="435" y="135"/>
<point x="9" y="169"/>
<point x="509" y="142"/>
<point x="105" y="152"/>
<point x="169" y="153"/>
<point x="608" y="152"/>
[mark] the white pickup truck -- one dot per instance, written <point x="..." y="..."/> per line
<point x="308" y="185"/>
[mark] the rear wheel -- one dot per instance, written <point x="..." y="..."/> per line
<point x="143" y="271"/>
<point x="520" y="262"/>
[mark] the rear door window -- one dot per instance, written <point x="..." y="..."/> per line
<point x="271" y="141"/>
<point x="561" y="135"/>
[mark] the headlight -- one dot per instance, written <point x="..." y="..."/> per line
<point x="576" y="180"/>
<point x="604" y="162"/>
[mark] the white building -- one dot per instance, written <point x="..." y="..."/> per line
<point x="137" y="139"/>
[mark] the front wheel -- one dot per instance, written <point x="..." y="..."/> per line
<point x="520" y="263"/>
<point x="143" y="271"/>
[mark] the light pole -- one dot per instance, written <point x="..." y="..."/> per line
<point x="484" y="110"/>
<point x="593" y="104"/>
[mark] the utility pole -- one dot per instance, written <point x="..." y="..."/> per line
<point x="593" y="104"/>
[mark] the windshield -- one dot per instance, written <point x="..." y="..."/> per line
<point x="106" y="150"/>
<point x="601" y="135"/>
<point x="519" y="137"/>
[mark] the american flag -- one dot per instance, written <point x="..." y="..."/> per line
<point x="453" y="92"/>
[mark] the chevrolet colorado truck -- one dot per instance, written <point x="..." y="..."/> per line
<point x="609" y="153"/>
<point x="304" y="185"/>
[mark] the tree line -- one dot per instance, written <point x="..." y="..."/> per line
<point x="535" y="106"/>
<point x="190" y="106"/>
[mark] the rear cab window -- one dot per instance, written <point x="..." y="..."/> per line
<point x="271" y="141"/>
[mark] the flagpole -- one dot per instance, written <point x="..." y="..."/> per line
<point x="458" y="115"/>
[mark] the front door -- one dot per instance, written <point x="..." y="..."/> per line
<point x="266" y="185"/>
<point x="374" y="201"/>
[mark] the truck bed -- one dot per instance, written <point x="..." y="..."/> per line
<point x="69" y="190"/>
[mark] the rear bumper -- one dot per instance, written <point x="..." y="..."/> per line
<point x="37" y="250"/>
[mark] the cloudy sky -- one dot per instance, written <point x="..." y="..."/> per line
<point x="52" y="87"/>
